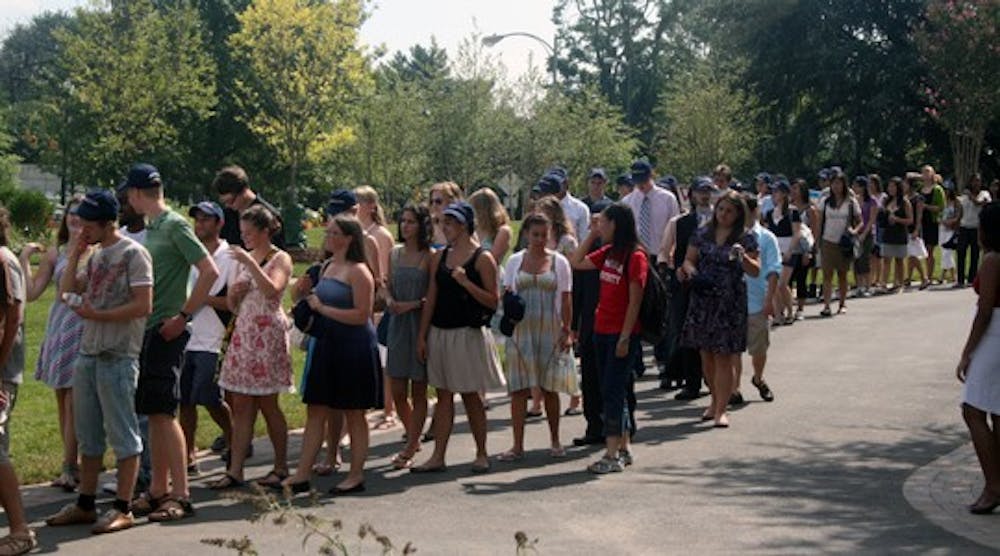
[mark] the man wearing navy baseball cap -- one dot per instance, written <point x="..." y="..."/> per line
<point x="117" y="296"/>
<point x="597" y="184"/>
<point x="208" y="327"/>
<point x="175" y="250"/>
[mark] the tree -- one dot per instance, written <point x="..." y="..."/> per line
<point x="141" y="77"/>
<point x="303" y="69"/>
<point x="708" y="119"/>
<point x="626" y="49"/>
<point x="834" y="78"/>
<point x="958" y="44"/>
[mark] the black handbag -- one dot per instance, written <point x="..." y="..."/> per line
<point x="382" y="330"/>
<point x="309" y="321"/>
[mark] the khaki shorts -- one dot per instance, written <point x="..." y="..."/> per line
<point x="758" y="334"/>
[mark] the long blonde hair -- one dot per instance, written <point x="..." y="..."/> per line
<point x="490" y="214"/>
<point x="367" y="194"/>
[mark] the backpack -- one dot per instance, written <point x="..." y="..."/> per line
<point x="655" y="302"/>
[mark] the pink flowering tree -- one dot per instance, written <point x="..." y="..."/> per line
<point x="959" y="43"/>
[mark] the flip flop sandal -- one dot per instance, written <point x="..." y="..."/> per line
<point x="226" y="482"/>
<point x="557" y="452"/>
<point x="145" y="503"/>
<point x="324" y="469"/>
<point x="20" y="543"/>
<point x="510" y="456"/>
<point x="172" y="509"/>
<point x="401" y="461"/>
<point x="385" y="424"/>
<point x="272" y="479"/>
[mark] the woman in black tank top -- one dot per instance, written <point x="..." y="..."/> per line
<point x="453" y="339"/>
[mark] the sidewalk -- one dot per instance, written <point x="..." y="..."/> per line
<point x="863" y="451"/>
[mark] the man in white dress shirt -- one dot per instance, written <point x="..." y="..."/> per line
<point x="652" y="206"/>
<point x="577" y="212"/>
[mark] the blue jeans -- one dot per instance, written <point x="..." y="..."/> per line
<point x="616" y="376"/>
<point x="104" y="405"/>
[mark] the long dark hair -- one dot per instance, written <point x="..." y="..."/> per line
<point x="802" y="187"/>
<point x="898" y="197"/>
<point x="425" y="229"/>
<point x="742" y="217"/>
<point x="350" y="226"/>
<point x="842" y="178"/>
<point x="625" y="239"/>
<point x="788" y="196"/>
<point x="62" y="236"/>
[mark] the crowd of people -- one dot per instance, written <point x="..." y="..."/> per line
<point x="156" y="316"/>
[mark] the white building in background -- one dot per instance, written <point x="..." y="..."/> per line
<point x="31" y="176"/>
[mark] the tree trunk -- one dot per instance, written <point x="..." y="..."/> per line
<point x="965" y="149"/>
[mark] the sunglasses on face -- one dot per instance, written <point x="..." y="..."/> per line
<point x="437" y="201"/>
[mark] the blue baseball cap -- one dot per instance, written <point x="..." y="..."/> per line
<point x="641" y="170"/>
<point x="598" y="173"/>
<point x="341" y="200"/>
<point x="824" y="174"/>
<point x="781" y="184"/>
<point x="764" y="177"/>
<point x="141" y="176"/>
<point x="702" y="183"/>
<point x="550" y="184"/>
<point x="99" y="205"/>
<point x="599" y="206"/>
<point x="667" y="182"/>
<point x="208" y="208"/>
<point x="624" y="179"/>
<point x="559" y="173"/>
<point x="463" y="212"/>
<point x="861" y="179"/>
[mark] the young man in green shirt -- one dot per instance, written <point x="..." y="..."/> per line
<point x="174" y="248"/>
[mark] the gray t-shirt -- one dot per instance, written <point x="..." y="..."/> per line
<point x="111" y="273"/>
<point x="12" y="286"/>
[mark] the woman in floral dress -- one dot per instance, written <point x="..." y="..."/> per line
<point x="717" y="257"/>
<point x="257" y="365"/>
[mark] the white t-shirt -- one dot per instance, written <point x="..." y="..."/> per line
<point x="835" y="220"/>
<point x="207" y="330"/>
<point x="564" y="275"/>
<point x="970" y="210"/>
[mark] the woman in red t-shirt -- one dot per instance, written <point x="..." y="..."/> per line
<point x="616" y="322"/>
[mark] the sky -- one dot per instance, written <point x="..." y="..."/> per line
<point x="399" y="24"/>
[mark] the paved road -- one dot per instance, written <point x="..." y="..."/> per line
<point x="866" y="403"/>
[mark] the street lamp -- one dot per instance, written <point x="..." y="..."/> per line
<point x="492" y="40"/>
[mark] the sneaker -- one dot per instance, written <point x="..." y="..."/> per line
<point x="606" y="465"/>
<point x="17" y="544"/>
<point x="71" y="514"/>
<point x="110" y="487"/>
<point x="219" y="444"/>
<point x="625" y="457"/>
<point x="112" y="521"/>
<point x="799" y="315"/>
<point x="687" y="394"/>
<point x="764" y="390"/>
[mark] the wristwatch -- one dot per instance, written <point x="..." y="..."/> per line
<point x="187" y="317"/>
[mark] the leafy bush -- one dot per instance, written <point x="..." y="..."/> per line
<point x="29" y="211"/>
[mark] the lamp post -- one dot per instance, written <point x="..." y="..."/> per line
<point x="492" y="40"/>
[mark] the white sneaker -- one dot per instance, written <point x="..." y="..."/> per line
<point x="110" y="487"/>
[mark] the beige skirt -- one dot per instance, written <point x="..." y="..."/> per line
<point x="463" y="360"/>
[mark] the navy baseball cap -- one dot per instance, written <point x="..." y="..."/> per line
<point x="641" y="170"/>
<point x="599" y="206"/>
<point x="702" y="183"/>
<point x="667" y="182"/>
<point x="341" y="200"/>
<point x="559" y="173"/>
<point x="99" y="205"/>
<point x="550" y="184"/>
<point x="141" y="176"/>
<point x="598" y="173"/>
<point x="624" y="179"/>
<point x="862" y="179"/>
<point x="209" y="208"/>
<point x="781" y="184"/>
<point x="462" y="212"/>
<point x="764" y="177"/>
<point x="824" y="174"/>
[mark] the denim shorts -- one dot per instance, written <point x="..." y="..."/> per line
<point x="198" y="382"/>
<point x="11" y="390"/>
<point x="104" y="405"/>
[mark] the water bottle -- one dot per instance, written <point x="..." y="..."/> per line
<point x="72" y="299"/>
